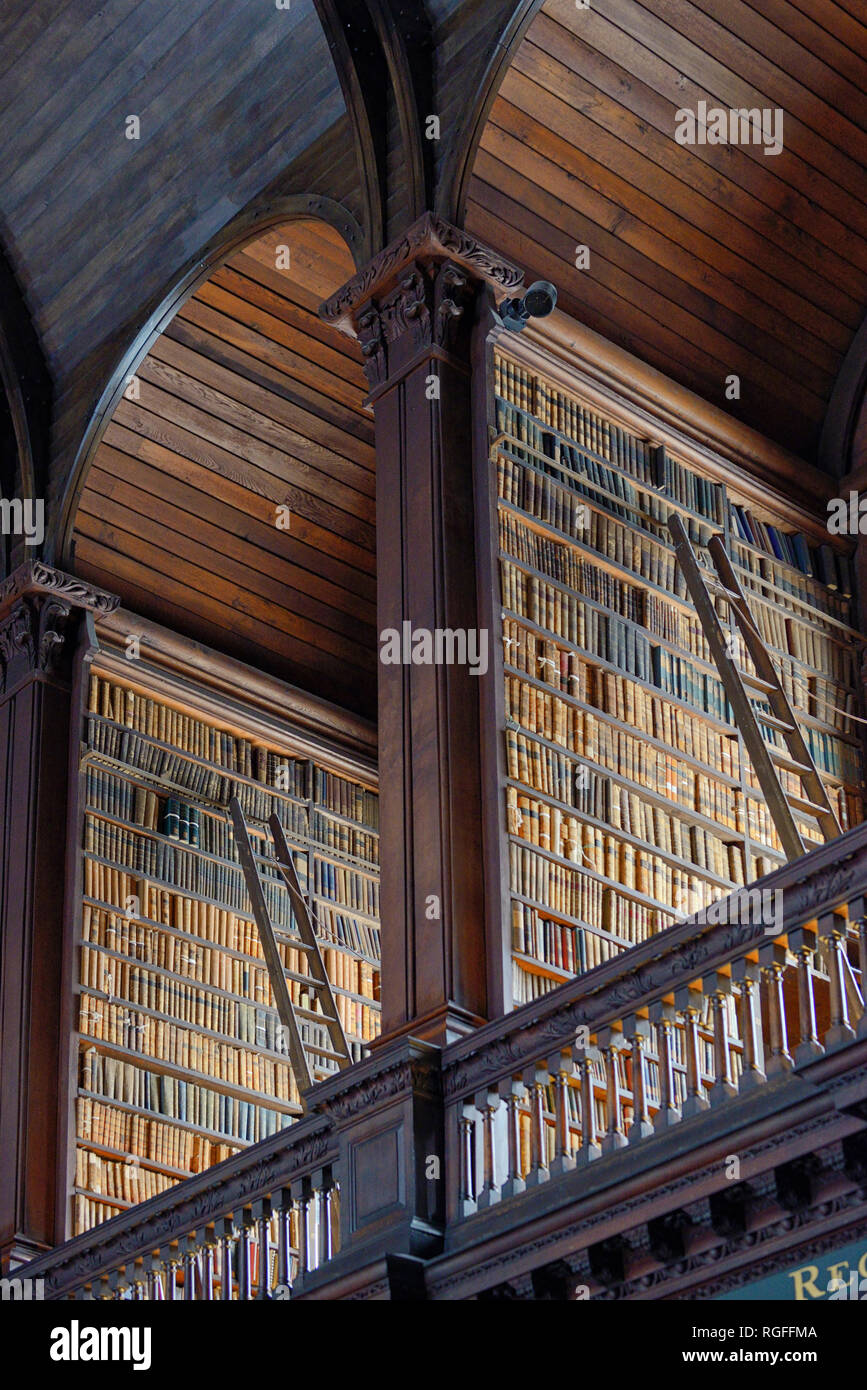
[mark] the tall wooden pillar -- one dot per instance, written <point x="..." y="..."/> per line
<point x="41" y="624"/>
<point x="413" y="310"/>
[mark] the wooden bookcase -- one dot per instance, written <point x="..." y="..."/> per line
<point x="175" y="1055"/>
<point x="626" y="800"/>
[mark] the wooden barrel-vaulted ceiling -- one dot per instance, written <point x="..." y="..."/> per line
<point x="232" y="494"/>
<point x="706" y="260"/>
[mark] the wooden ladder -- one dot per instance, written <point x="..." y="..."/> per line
<point x="743" y="687"/>
<point x="311" y="1058"/>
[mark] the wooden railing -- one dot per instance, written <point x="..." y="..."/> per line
<point x="247" y="1228"/>
<point x="693" y="1020"/>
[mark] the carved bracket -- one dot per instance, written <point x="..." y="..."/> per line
<point x="36" y="603"/>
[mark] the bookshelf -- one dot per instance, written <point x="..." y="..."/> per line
<point x="626" y="797"/>
<point x="177" y="1059"/>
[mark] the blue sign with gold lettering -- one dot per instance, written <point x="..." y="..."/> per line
<point x="840" y="1274"/>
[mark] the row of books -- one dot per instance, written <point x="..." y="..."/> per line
<point x="208" y="878"/>
<point x="110" y="1178"/>
<point x="575" y="949"/>
<point x="532" y="395"/>
<point x="570" y="893"/>
<point x="831" y="567"/>
<point x="795" y="593"/>
<point x="347" y="887"/>
<point x="126" y="1131"/>
<point x="637" y="868"/>
<point x="344" y="839"/>
<point x="346" y="798"/>
<point x="100" y="1020"/>
<point x="175" y="1098"/>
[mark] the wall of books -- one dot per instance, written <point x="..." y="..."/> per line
<point x="629" y="800"/>
<point x="179" y="1058"/>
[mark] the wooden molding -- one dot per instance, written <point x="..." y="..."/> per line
<point x="643" y="400"/>
<point x="227" y="690"/>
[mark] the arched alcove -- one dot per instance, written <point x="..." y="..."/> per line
<point x="231" y="493"/>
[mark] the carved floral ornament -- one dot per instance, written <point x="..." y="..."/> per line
<point x="36" y="603"/>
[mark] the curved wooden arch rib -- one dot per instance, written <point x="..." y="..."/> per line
<point x="453" y="187"/>
<point x="26" y="382"/>
<point x="336" y="18"/>
<point x="843" y="444"/>
<point x="238" y="233"/>
<point x="406" y="79"/>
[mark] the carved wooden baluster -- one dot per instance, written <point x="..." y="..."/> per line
<point x="284" y="1239"/>
<point x="189" y="1246"/>
<point x="261" y="1213"/>
<point x="773" y="962"/>
<point x="858" y="920"/>
<point x="323" y="1180"/>
<point x="804" y="942"/>
<point x="724" y="1087"/>
<point x="116" y="1285"/>
<point x="535" y="1078"/>
<point x="664" y="1016"/>
<point x="748" y="974"/>
<point x="207" y="1266"/>
<point x="301" y="1195"/>
<point x="513" y="1093"/>
<point x="611" y="1042"/>
<point x="638" y="1031"/>
<point x="171" y="1265"/>
<point x="560" y="1068"/>
<point x="486" y="1103"/>
<point x="226" y="1252"/>
<point x="244" y="1255"/>
<point x="467" y="1150"/>
<point x="688" y="1001"/>
<point x="584" y="1058"/>
<point x="832" y="929"/>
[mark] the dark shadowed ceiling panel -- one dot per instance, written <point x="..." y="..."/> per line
<point x="234" y="497"/>
<point x="707" y="260"/>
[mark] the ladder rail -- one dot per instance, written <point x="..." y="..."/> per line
<point x="273" y="960"/>
<point x="286" y="865"/>
<point x="777" y="697"/>
<point x="745" y="716"/>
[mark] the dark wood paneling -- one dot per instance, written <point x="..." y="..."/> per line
<point x="247" y="402"/>
<point x="705" y="260"/>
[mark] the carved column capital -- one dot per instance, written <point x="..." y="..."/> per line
<point x="415" y="294"/>
<point x="36" y="603"/>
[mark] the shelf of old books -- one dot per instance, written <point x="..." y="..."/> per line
<point x="180" y="1060"/>
<point x="629" y="801"/>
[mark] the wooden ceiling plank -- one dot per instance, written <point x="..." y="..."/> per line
<point x="739" y="261"/>
<point x="176" y="434"/>
<point x="272" y="290"/>
<point x="837" y="285"/>
<point x="187" y="612"/>
<point x="330" y="419"/>
<point x="143" y="539"/>
<point x="624" y="324"/>
<point x="247" y="489"/>
<point x="325" y="356"/>
<point x="698" y="340"/>
<point x="251" y="417"/>
<point x="268" y="350"/>
<point x="845" y="142"/>
<point x="280" y="464"/>
<point x="114" y="494"/>
<point x="278" y="551"/>
<point x="730" y="172"/>
<point x="841" y="46"/>
<point x="503" y="162"/>
<point x="648" y="84"/>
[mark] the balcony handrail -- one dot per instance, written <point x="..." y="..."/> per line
<point x="194" y="1205"/>
<point x="826" y="879"/>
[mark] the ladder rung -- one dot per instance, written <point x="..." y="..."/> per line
<point x="756" y="682"/>
<point x="805" y="807"/>
<point x="301" y="1009"/>
<point x="787" y="762"/>
<point x="325" y="1052"/>
<point x="773" y="722"/>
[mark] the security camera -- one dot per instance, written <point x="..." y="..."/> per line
<point x="536" y="304"/>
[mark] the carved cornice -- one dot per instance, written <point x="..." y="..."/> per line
<point x="402" y="1077"/>
<point x="431" y="238"/>
<point x="35" y="578"/>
